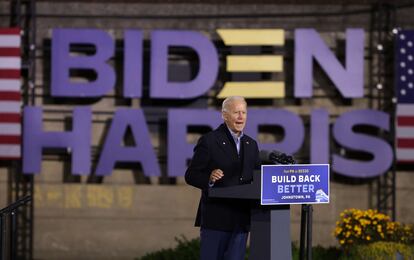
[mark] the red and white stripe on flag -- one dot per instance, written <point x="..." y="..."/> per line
<point x="10" y="96"/>
<point x="405" y="133"/>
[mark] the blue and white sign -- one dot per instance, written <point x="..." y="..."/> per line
<point x="295" y="184"/>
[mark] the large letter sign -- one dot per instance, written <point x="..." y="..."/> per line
<point x="208" y="64"/>
<point x="133" y="57"/>
<point x="63" y="62"/>
<point x="76" y="141"/>
<point x="113" y="150"/>
<point x="319" y="133"/>
<point x="345" y="136"/>
<point x="348" y="79"/>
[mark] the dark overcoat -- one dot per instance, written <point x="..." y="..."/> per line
<point x="217" y="150"/>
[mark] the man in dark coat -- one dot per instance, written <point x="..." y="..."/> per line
<point x="224" y="157"/>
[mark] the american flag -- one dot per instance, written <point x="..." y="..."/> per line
<point x="405" y="96"/>
<point x="10" y="97"/>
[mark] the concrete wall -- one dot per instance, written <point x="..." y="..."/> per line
<point x="110" y="221"/>
<point x="120" y="217"/>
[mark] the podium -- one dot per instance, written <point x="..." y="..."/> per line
<point x="270" y="225"/>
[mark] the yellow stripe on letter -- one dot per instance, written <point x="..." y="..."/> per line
<point x="254" y="63"/>
<point x="252" y="36"/>
<point x="259" y="89"/>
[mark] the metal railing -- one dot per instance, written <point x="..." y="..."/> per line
<point x="8" y="228"/>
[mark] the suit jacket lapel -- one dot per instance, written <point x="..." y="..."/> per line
<point x="226" y="142"/>
<point x="245" y="145"/>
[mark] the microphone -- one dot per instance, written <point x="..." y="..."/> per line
<point x="276" y="157"/>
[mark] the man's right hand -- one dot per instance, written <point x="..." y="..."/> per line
<point x="216" y="175"/>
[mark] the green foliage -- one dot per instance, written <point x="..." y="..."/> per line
<point x="380" y="251"/>
<point x="189" y="250"/>
<point x="319" y="252"/>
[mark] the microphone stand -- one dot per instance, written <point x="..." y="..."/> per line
<point x="306" y="232"/>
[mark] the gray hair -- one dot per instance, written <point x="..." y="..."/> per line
<point x="229" y="100"/>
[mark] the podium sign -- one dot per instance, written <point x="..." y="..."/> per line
<point x="295" y="184"/>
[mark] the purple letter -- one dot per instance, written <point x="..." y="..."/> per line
<point x="113" y="151"/>
<point x="208" y="64"/>
<point x="179" y="151"/>
<point x="345" y="136"/>
<point x="348" y="79"/>
<point x="63" y="62"/>
<point x="319" y="136"/>
<point x="132" y="64"/>
<point x="290" y="122"/>
<point x="77" y="141"/>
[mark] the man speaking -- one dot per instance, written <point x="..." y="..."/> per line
<point x="224" y="157"/>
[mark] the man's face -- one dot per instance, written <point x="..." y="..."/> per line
<point x="235" y="116"/>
